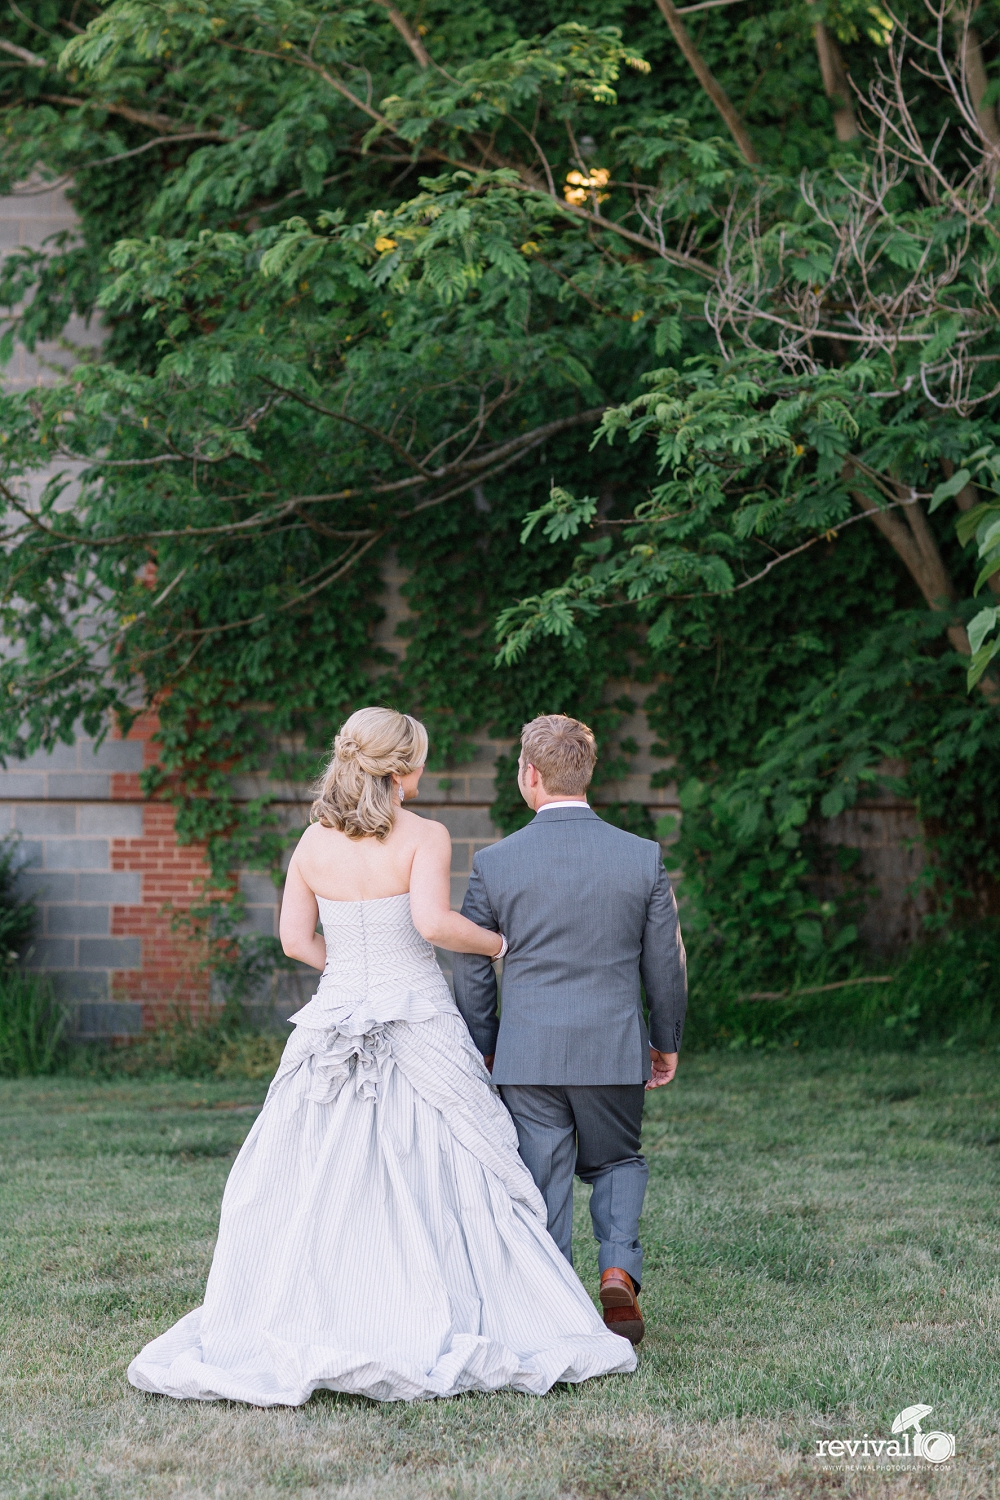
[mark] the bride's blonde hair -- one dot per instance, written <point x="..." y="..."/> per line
<point x="356" y="793"/>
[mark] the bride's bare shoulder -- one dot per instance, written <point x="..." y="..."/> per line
<point x="422" y="830"/>
<point x="315" y="833"/>
<point x="314" y="838"/>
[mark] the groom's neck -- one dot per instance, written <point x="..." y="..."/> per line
<point x="544" y="798"/>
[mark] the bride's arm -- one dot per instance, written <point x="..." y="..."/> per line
<point x="297" y="924"/>
<point x="430" y="898"/>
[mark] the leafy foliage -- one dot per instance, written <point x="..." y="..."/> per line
<point x="32" y="1024"/>
<point x="17" y="912"/>
<point x="375" y="282"/>
<point x="941" y="993"/>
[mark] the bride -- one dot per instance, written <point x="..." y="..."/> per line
<point x="379" y="1232"/>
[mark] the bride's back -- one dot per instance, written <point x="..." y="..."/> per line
<point x="340" y="868"/>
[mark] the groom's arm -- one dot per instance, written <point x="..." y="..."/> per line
<point x="664" y="967"/>
<point x="475" y="977"/>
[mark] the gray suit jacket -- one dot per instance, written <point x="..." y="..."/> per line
<point x="588" y="911"/>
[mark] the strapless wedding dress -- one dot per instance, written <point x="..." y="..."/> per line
<point x="379" y="1232"/>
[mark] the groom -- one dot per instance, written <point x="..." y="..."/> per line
<point x="590" y="918"/>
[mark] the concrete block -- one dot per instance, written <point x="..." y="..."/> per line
<point x="124" y="888"/>
<point x="79" y="784"/>
<point x="461" y="858"/>
<point x="259" y="888"/>
<point x="459" y="885"/>
<point x="117" y="821"/>
<point x="59" y="758"/>
<point x="482" y="789"/>
<point x="260" y="919"/>
<point x="113" y="755"/>
<point x="6" y="817"/>
<point x="112" y="1018"/>
<point x="62" y="921"/>
<point x="76" y="854"/>
<point x="465" y="822"/>
<point x="42" y="886"/>
<point x="51" y="817"/>
<point x="110" y="953"/>
<point x="294" y="988"/>
<point x="21" y="784"/>
<point x="52" y="953"/>
<point x="29" y="854"/>
<point x="73" y="985"/>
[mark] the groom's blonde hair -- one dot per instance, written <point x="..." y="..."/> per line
<point x="562" y="751"/>
<point x="356" y="793"/>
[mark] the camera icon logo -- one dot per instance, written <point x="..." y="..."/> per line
<point x="935" y="1447"/>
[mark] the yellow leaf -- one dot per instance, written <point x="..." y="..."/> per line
<point x="384" y="243"/>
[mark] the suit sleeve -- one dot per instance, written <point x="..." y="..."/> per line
<point x="664" y="966"/>
<point x="475" y="977"/>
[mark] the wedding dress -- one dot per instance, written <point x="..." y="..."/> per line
<point x="379" y="1232"/>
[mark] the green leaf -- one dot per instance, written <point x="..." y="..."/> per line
<point x="980" y="626"/>
<point x="981" y="661"/>
<point x="563" y="515"/>
<point x="810" y="935"/>
<point x="947" y="488"/>
<point x="992" y="566"/>
<point x="968" y="523"/>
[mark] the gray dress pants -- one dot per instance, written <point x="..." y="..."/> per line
<point x="594" y="1132"/>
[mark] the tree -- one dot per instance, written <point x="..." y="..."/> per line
<point x="361" y="278"/>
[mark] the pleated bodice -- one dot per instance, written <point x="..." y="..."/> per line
<point x="378" y="969"/>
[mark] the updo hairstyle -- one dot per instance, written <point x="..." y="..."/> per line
<point x="356" y="793"/>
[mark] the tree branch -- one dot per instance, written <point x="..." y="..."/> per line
<point x="23" y="55"/>
<point x="835" y="84"/>
<point x="138" y="116"/>
<point x="713" y="88"/>
<point x="410" y="37"/>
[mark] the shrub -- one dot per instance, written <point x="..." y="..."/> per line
<point x="216" y="1046"/>
<point x="251" y="1056"/>
<point x="17" y="915"/>
<point x="944" y="991"/>
<point x="32" y="1023"/>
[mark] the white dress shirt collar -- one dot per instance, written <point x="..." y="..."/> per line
<point x="567" y="802"/>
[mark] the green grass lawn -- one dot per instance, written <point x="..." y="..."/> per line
<point x="821" y="1236"/>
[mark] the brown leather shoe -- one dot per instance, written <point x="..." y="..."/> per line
<point x="621" y="1305"/>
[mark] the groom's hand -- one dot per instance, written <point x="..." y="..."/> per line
<point x="664" y="1066"/>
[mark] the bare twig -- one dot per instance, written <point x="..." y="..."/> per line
<point x="814" y="989"/>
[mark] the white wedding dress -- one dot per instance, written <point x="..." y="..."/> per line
<point x="379" y="1232"/>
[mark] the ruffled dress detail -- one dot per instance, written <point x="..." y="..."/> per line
<point x="379" y="1232"/>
